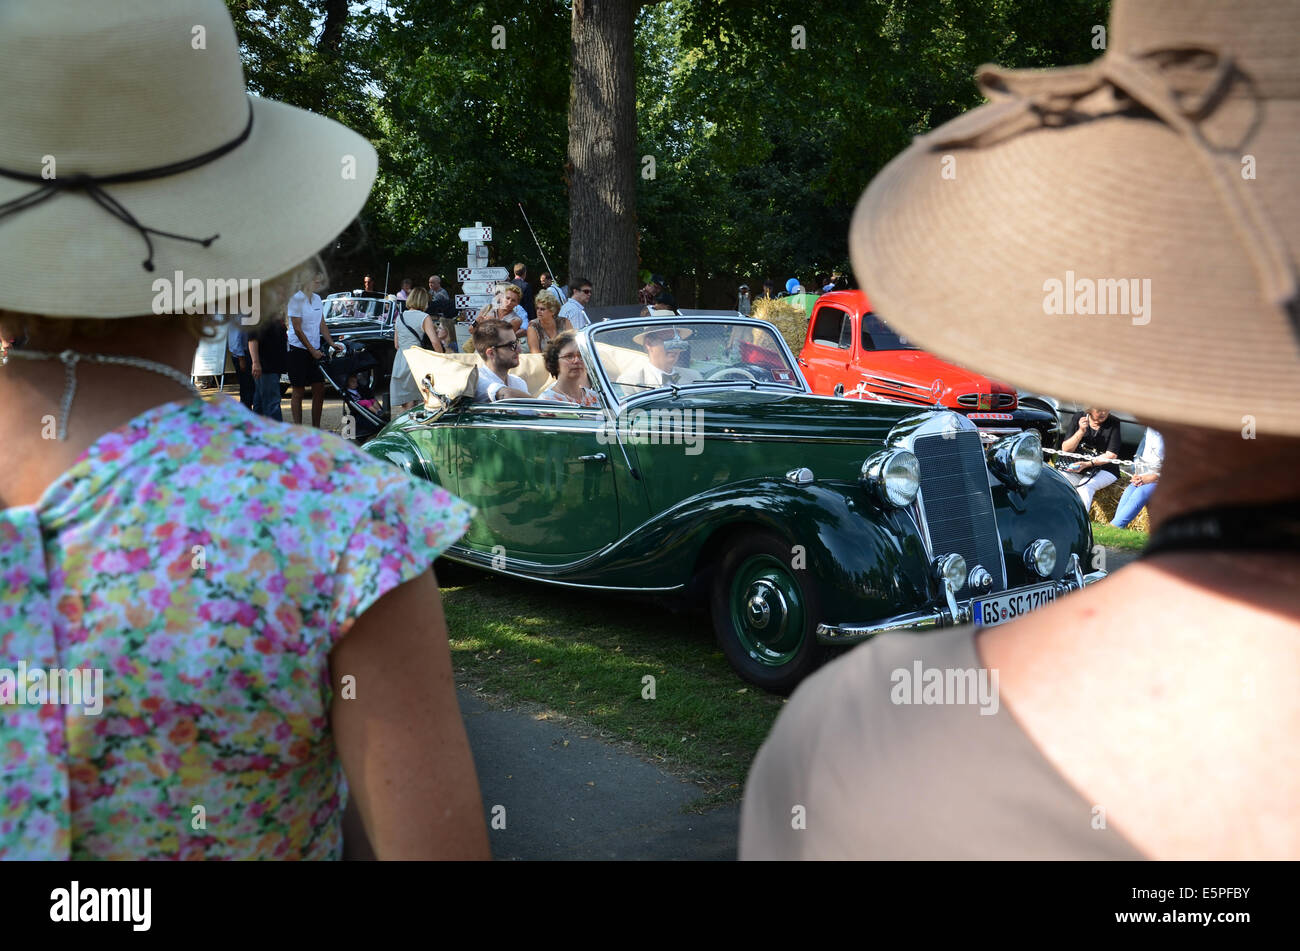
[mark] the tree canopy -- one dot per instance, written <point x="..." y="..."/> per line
<point x="758" y="122"/>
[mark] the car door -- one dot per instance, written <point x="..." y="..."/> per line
<point x="827" y="357"/>
<point x="541" y="478"/>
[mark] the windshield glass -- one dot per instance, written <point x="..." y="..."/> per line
<point x="337" y="308"/>
<point x="643" y="357"/>
<point x="878" y="335"/>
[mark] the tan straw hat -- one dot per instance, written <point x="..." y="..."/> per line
<point x="129" y="143"/>
<point x="1123" y="233"/>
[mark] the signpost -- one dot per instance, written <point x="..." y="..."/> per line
<point x="482" y="274"/>
<point x="476" y="278"/>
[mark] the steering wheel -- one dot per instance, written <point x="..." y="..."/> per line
<point x="733" y="373"/>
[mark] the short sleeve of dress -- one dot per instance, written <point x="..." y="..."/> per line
<point x="397" y="539"/>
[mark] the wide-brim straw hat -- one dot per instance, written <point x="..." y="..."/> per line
<point x="1171" y="159"/>
<point x="136" y="86"/>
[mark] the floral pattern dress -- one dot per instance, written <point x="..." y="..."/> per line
<point x="206" y="561"/>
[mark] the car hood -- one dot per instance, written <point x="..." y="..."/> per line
<point x="922" y="369"/>
<point x="776" y="415"/>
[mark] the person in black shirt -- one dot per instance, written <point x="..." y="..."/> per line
<point x="269" y="351"/>
<point x="1094" y="434"/>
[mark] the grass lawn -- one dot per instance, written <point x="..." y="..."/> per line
<point x="583" y="655"/>
<point x="1118" y="537"/>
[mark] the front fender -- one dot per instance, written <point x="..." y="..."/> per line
<point x="865" y="561"/>
<point x="1050" y="508"/>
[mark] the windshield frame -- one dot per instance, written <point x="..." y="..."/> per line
<point x="591" y="334"/>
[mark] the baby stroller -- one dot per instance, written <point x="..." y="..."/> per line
<point x="370" y="360"/>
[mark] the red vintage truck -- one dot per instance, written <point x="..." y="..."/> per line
<point x="850" y="351"/>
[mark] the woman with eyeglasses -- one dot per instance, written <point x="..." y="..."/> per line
<point x="564" y="362"/>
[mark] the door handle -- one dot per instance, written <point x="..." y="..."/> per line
<point x="594" y="457"/>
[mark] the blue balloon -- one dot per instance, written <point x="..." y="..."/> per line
<point x="790" y="285"/>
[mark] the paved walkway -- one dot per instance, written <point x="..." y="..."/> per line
<point x="566" y="797"/>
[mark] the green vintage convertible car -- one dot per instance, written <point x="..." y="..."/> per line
<point x="710" y="471"/>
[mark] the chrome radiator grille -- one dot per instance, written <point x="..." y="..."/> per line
<point x="956" y="502"/>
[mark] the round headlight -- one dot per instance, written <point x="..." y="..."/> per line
<point x="1018" y="459"/>
<point x="1040" y="558"/>
<point x="895" y="475"/>
<point x="952" y="569"/>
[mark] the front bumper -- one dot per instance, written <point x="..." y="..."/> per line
<point x="954" y="615"/>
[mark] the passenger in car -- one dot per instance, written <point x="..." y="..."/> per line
<point x="498" y="348"/>
<point x="547" y="325"/>
<point x="505" y="306"/>
<point x="664" y="347"/>
<point x="563" y="361"/>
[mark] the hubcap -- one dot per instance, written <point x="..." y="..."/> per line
<point x="767" y="610"/>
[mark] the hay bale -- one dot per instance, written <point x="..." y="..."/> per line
<point x="790" y="320"/>
<point x="1105" y="502"/>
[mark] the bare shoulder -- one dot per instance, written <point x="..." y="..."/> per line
<point x="1169" y="695"/>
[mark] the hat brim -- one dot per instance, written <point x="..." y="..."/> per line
<point x="640" y="339"/>
<point x="275" y="200"/>
<point x="958" y="248"/>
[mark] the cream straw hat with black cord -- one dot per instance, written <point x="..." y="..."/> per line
<point x="162" y="161"/>
<point x="1130" y="167"/>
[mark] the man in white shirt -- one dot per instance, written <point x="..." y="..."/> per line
<point x="574" y="309"/>
<point x="664" y="347"/>
<point x="498" y="348"/>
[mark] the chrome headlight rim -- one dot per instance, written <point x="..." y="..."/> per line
<point x="1040" y="551"/>
<point x="894" y="475"/>
<point x="950" y="568"/>
<point x="1012" y="464"/>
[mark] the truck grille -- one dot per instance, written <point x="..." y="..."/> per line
<point x="991" y="400"/>
<point x="958" y="507"/>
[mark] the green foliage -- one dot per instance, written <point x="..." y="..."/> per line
<point x="760" y="149"/>
<point x="768" y="146"/>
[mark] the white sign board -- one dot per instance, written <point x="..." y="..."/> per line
<point x="476" y="234"/>
<point x="482" y="274"/>
<point x="478" y="287"/>
<point x="465" y="301"/>
<point x="210" y="358"/>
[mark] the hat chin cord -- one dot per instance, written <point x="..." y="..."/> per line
<point x="92" y="185"/>
<point x="70" y="358"/>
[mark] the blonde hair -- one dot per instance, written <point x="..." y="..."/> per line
<point x="417" y="299"/>
<point x="547" y="299"/>
<point x="507" y="288"/>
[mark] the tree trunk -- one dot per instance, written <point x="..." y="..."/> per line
<point x="602" y="144"/>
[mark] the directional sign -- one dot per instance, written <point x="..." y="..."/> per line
<point x="476" y="234"/>
<point x="482" y="274"/>
<point x="472" y="300"/>
<point x="478" y="287"/>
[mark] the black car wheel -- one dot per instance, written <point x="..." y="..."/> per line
<point x="765" y="613"/>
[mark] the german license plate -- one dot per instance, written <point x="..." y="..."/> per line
<point x="1009" y="606"/>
